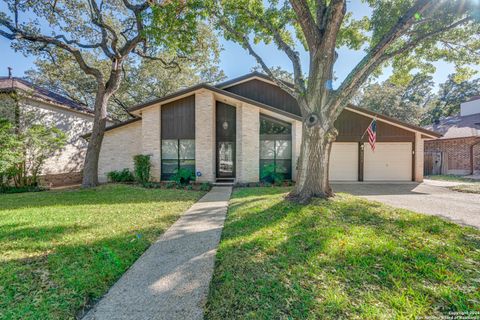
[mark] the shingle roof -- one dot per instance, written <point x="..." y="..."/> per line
<point x="12" y="84"/>
<point x="457" y="126"/>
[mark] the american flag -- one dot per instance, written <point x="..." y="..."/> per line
<point x="372" y="134"/>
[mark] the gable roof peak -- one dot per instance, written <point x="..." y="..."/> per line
<point x="248" y="77"/>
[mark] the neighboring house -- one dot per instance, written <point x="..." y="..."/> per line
<point x="49" y="108"/>
<point x="458" y="150"/>
<point x="231" y="131"/>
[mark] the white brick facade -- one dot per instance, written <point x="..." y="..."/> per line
<point x="296" y="145"/>
<point x="248" y="143"/>
<point x="75" y="124"/>
<point x="150" y="142"/>
<point x="205" y="136"/>
<point x="118" y="148"/>
<point x="144" y="137"/>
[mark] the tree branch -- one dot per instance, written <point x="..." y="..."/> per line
<point x="375" y="56"/>
<point x="97" y="19"/>
<point x="172" y="64"/>
<point x="291" y="54"/>
<point x="405" y="48"/>
<point x="246" y="44"/>
<point x="18" y="34"/>
<point x="333" y="22"/>
<point x="321" y="10"/>
<point x="306" y="22"/>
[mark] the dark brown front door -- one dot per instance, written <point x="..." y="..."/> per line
<point x="226" y="134"/>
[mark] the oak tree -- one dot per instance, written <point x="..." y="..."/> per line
<point x="407" y="102"/>
<point x="112" y="30"/>
<point x="407" y="34"/>
<point x="142" y="80"/>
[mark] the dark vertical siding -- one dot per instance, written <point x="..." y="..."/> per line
<point x="351" y="126"/>
<point x="178" y="119"/>
<point x="266" y="93"/>
<point x="226" y="112"/>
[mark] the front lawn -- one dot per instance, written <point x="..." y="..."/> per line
<point x="451" y="177"/>
<point x="62" y="250"/>
<point x="468" y="188"/>
<point x="347" y="258"/>
<point x="473" y="185"/>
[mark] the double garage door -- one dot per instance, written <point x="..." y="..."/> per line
<point x="391" y="161"/>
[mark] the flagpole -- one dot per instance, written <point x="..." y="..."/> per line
<point x="363" y="135"/>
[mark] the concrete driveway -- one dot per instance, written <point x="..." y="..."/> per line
<point x="430" y="197"/>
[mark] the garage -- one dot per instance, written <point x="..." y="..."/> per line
<point x="344" y="161"/>
<point x="391" y="161"/>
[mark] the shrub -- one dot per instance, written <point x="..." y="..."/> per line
<point x="23" y="151"/>
<point x="171" y="184"/>
<point x="270" y="174"/>
<point x="13" y="189"/>
<point x="183" y="176"/>
<point x="205" y="186"/>
<point x="142" y="167"/>
<point x="120" y="176"/>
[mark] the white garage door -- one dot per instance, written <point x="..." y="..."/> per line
<point x="391" y="161"/>
<point x="344" y="161"/>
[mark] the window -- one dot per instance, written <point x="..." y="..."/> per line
<point x="275" y="146"/>
<point x="176" y="154"/>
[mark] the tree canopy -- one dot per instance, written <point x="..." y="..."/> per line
<point x="408" y="35"/>
<point x="143" y="79"/>
<point x="111" y="31"/>
<point x="450" y="95"/>
<point x="406" y="102"/>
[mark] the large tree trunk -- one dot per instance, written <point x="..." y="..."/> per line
<point x="104" y="93"/>
<point x="312" y="175"/>
<point x="90" y="168"/>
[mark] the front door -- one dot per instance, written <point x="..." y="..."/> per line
<point x="225" y="136"/>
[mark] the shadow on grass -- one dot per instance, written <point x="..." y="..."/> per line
<point x="342" y="258"/>
<point x="108" y="194"/>
<point x="64" y="280"/>
<point x="56" y="261"/>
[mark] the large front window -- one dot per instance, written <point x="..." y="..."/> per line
<point x="177" y="154"/>
<point x="275" y="148"/>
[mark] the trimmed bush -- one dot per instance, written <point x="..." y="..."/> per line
<point x="205" y="186"/>
<point x="13" y="189"/>
<point x="270" y="175"/>
<point x="120" y="176"/>
<point x="142" y="168"/>
<point x="183" y="176"/>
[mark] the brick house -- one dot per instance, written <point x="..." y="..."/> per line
<point x="19" y="98"/>
<point x="234" y="130"/>
<point x="458" y="150"/>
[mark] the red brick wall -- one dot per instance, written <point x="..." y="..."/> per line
<point x="476" y="158"/>
<point x="456" y="154"/>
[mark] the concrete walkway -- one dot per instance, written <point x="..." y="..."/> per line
<point x="171" y="279"/>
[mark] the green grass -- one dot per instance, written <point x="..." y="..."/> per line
<point x="347" y="258"/>
<point x="450" y="177"/>
<point x="472" y="187"/>
<point x="62" y="250"/>
<point x="467" y="188"/>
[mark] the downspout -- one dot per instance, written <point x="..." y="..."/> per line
<point x="471" y="156"/>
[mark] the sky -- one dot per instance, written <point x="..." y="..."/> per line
<point x="235" y="61"/>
